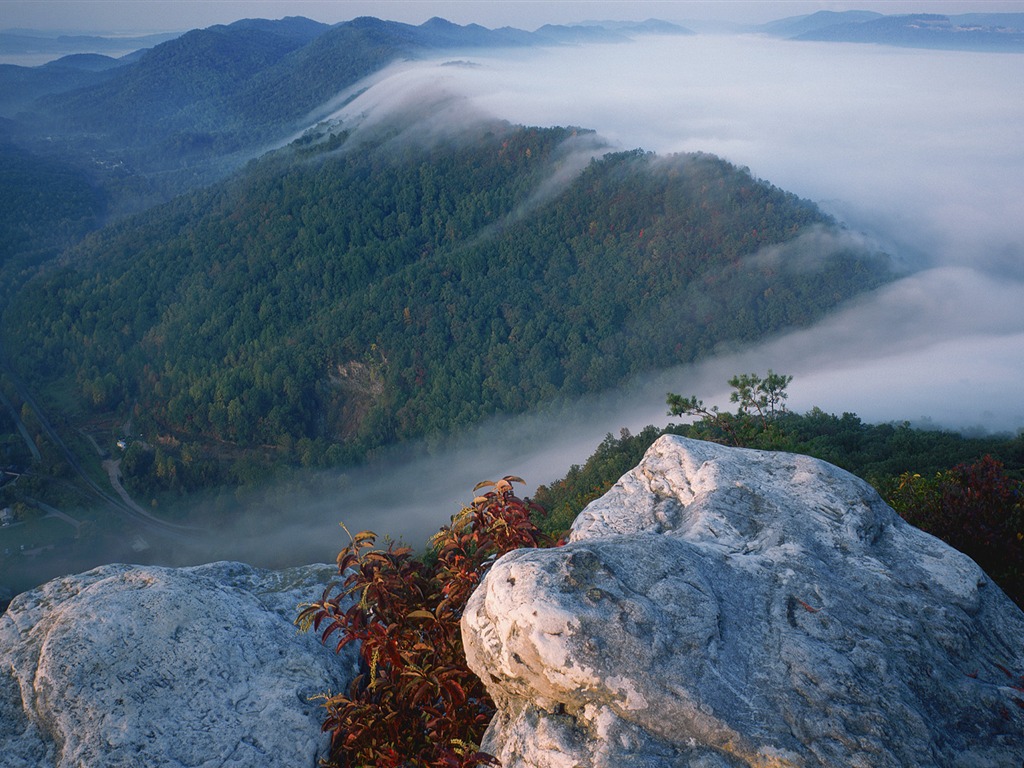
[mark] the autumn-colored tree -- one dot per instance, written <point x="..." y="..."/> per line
<point x="416" y="703"/>
<point x="976" y="508"/>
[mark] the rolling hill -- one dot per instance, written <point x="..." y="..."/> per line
<point x="996" y="32"/>
<point x="354" y="290"/>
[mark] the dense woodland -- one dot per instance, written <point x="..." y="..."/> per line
<point x="344" y="294"/>
<point x="45" y="206"/>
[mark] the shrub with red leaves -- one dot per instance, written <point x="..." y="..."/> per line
<point x="976" y="508"/>
<point x="416" y="703"/>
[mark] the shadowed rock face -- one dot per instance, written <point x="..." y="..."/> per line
<point x="728" y="607"/>
<point x="146" y="666"/>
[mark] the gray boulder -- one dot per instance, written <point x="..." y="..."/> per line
<point x="726" y="607"/>
<point x="147" y="666"/>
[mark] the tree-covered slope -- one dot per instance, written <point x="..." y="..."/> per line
<point x="342" y="295"/>
<point x="228" y="88"/>
<point x="173" y="102"/>
<point x="45" y="205"/>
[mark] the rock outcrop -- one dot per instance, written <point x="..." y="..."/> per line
<point x="147" y="666"/>
<point x="725" y="607"/>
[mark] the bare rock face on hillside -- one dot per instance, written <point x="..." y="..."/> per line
<point x="726" y="607"/>
<point x="147" y="666"/>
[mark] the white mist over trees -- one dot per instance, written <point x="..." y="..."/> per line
<point x="917" y="149"/>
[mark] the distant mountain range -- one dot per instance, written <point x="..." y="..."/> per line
<point x="974" y="31"/>
<point x="969" y="31"/>
<point x="28" y="41"/>
<point x="190" y="109"/>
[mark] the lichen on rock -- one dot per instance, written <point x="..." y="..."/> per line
<point x="141" y="665"/>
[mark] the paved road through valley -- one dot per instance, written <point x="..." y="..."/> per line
<point x="123" y="506"/>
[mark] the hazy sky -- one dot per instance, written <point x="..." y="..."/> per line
<point x="173" y="15"/>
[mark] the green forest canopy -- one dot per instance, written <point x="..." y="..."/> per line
<point x="344" y="294"/>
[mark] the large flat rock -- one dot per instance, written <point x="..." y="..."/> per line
<point x="727" y="607"/>
<point x="183" y="667"/>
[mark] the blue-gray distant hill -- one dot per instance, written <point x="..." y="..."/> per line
<point x="191" y="109"/>
<point x="608" y="31"/>
<point x="794" y="26"/>
<point x="972" y="32"/>
<point x="30" y="41"/>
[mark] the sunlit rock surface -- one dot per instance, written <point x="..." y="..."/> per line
<point x="146" y="666"/>
<point x="724" y="607"/>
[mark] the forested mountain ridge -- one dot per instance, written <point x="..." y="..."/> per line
<point x="34" y="41"/>
<point x="348" y="292"/>
<point x="189" y="111"/>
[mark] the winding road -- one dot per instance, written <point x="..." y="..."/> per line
<point x="122" y="504"/>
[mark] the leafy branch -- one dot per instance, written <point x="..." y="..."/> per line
<point x="416" y="703"/>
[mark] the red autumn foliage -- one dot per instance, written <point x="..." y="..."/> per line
<point x="416" y="703"/>
<point x="976" y="508"/>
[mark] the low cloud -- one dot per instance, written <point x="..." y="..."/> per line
<point x="917" y="152"/>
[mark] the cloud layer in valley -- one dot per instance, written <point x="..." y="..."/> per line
<point x="917" y="151"/>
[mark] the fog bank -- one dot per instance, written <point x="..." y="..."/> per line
<point x="918" y="151"/>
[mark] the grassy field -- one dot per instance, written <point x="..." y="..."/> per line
<point x="34" y="534"/>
